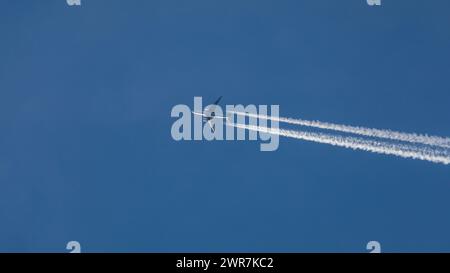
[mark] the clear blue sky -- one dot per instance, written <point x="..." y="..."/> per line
<point x="86" y="152"/>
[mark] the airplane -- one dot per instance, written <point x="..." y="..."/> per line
<point x="209" y="114"/>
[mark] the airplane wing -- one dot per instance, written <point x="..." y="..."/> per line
<point x="208" y="114"/>
<point x="209" y="109"/>
<point x="217" y="101"/>
<point x="211" y="124"/>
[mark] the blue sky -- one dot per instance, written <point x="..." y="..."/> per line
<point x="86" y="152"/>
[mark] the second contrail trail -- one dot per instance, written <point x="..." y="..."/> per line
<point x="402" y="150"/>
<point x="370" y="132"/>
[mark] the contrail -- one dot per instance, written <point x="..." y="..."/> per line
<point x="405" y="151"/>
<point x="370" y="132"/>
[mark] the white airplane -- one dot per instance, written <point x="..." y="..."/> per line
<point x="209" y="114"/>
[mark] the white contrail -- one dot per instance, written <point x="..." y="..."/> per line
<point x="371" y="132"/>
<point x="406" y="151"/>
